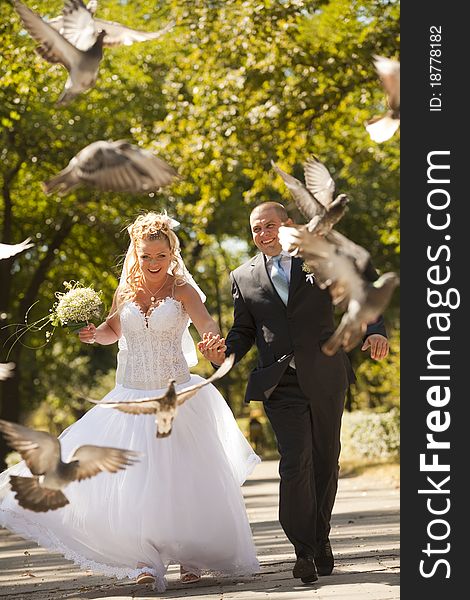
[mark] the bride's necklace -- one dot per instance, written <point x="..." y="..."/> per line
<point x="153" y="295"/>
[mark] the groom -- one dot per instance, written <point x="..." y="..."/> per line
<point x="280" y="309"/>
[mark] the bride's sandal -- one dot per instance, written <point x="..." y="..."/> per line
<point x="188" y="577"/>
<point x="145" y="578"/>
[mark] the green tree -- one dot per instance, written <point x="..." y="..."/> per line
<point x="234" y="85"/>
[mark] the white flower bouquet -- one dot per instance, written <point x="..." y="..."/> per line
<point x="76" y="307"/>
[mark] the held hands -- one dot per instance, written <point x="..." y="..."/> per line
<point x="378" y="345"/>
<point x="213" y="348"/>
<point x="87" y="335"/>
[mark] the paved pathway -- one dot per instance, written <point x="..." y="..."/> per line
<point x="365" y="539"/>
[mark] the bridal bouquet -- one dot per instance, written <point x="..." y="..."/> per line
<point x="75" y="308"/>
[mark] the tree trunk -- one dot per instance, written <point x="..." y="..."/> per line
<point x="10" y="409"/>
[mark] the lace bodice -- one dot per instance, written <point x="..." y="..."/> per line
<point x="150" y="350"/>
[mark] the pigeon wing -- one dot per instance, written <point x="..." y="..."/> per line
<point x="382" y="128"/>
<point x="389" y="73"/>
<point x="152" y="171"/>
<point x="188" y="392"/>
<point x="87" y="461"/>
<point x="319" y="181"/>
<point x="6" y="370"/>
<point x="78" y="25"/>
<point x="53" y="46"/>
<point x="104" y="166"/>
<point x="40" y="450"/>
<point x="120" y="35"/>
<point x="346" y="246"/>
<point x="32" y="496"/>
<point x="305" y="202"/>
<point x="147" y="406"/>
<point x="8" y="250"/>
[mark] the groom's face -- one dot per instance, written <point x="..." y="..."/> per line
<point x="265" y="223"/>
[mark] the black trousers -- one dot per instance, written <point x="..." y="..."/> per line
<point x="308" y="437"/>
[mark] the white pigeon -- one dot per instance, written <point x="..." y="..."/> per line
<point x="113" y="166"/>
<point x="164" y="407"/>
<point x="6" y="370"/>
<point x="41" y="453"/>
<point x="9" y="250"/>
<point x="82" y="65"/>
<point x="382" y="128"/>
<point x="362" y="309"/>
<point x="82" y="29"/>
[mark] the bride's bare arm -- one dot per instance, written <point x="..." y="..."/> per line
<point x="196" y="310"/>
<point x="107" y="333"/>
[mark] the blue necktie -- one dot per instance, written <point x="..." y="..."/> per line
<point x="279" y="279"/>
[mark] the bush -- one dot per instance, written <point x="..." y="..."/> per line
<point x="371" y="436"/>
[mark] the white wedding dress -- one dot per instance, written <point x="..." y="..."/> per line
<point x="182" y="502"/>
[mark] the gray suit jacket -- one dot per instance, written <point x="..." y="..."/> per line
<point x="280" y="332"/>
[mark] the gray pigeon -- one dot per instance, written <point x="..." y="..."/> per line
<point x="164" y="407"/>
<point x="6" y="370"/>
<point x="9" y="250"/>
<point x="382" y="128"/>
<point x="333" y="252"/>
<point x="338" y="264"/>
<point x="41" y="453"/>
<point x="316" y="199"/>
<point x="82" y="65"/>
<point x="81" y="28"/>
<point x="362" y="310"/>
<point x="113" y="166"/>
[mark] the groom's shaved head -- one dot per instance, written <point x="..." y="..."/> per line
<point x="275" y="206"/>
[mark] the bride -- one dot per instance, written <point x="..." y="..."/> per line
<point x="182" y="502"/>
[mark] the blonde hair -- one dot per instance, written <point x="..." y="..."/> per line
<point x="149" y="226"/>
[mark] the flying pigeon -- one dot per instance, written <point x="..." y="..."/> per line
<point x="337" y="262"/>
<point x="382" y="128"/>
<point x="316" y="199"/>
<point x="362" y="310"/>
<point x="339" y="265"/>
<point x="81" y="28"/>
<point x="41" y="453"/>
<point x="6" y="370"/>
<point x="164" y="407"/>
<point x="82" y="65"/>
<point x="113" y="166"/>
<point x="9" y="250"/>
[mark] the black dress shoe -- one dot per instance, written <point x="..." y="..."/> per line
<point x="304" y="569"/>
<point x="324" y="558"/>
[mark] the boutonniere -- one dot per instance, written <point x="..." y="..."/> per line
<point x="309" y="276"/>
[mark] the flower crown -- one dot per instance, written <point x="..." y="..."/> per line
<point x="152" y="226"/>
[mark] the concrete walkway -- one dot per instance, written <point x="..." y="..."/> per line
<point x="365" y="540"/>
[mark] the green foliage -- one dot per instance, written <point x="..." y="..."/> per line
<point x="378" y="383"/>
<point x="235" y="84"/>
<point x="371" y="436"/>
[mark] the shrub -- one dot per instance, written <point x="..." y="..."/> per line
<point x="371" y="436"/>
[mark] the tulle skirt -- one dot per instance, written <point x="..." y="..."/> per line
<point x="181" y="503"/>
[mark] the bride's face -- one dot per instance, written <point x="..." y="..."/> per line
<point x="154" y="259"/>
